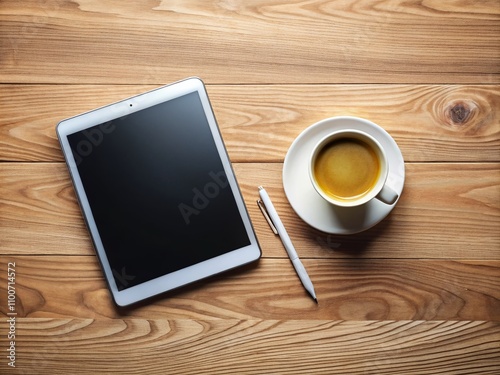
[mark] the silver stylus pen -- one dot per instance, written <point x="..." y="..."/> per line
<point x="287" y="242"/>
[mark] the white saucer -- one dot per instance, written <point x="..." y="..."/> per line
<point x="310" y="206"/>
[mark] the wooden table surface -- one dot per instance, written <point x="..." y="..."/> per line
<point x="417" y="294"/>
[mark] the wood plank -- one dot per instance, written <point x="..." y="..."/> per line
<point x="352" y="289"/>
<point x="134" y="346"/>
<point x="259" y="123"/>
<point x="446" y="211"/>
<point x="258" y="42"/>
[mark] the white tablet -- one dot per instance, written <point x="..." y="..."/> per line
<point x="157" y="191"/>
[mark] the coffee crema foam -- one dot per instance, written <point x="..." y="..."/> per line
<point x="346" y="168"/>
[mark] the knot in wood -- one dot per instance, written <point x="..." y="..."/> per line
<point x="460" y="113"/>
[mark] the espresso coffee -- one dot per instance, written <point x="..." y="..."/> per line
<point x="346" y="168"/>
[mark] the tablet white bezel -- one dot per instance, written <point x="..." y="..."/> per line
<point x="186" y="275"/>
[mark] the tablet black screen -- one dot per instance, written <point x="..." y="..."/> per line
<point x="158" y="191"/>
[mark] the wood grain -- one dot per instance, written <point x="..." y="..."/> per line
<point x="135" y="346"/>
<point x="430" y="123"/>
<point x="249" y="42"/>
<point x="355" y="289"/>
<point x="446" y="211"/>
<point x="418" y="293"/>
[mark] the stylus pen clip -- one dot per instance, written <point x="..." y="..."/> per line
<point x="266" y="215"/>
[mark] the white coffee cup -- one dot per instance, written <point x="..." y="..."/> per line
<point x="349" y="168"/>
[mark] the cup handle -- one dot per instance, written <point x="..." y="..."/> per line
<point x="387" y="195"/>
